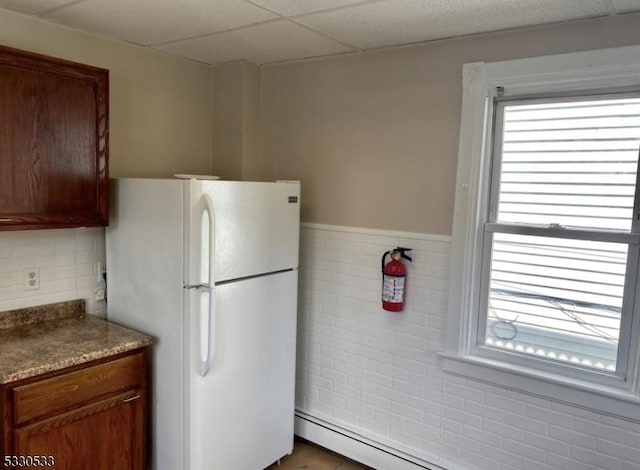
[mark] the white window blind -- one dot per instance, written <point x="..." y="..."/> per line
<point x="563" y="198"/>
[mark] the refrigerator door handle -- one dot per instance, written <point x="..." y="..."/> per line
<point x="212" y="237"/>
<point x="207" y="325"/>
<point x="207" y="333"/>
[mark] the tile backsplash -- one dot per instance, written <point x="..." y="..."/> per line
<point x="67" y="263"/>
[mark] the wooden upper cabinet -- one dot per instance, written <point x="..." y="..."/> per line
<point x="53" y="142"/>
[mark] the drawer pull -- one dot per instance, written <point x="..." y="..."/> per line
<point x="127" y="400"/>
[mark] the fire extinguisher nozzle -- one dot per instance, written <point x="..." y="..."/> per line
<point x="383" y="257"/>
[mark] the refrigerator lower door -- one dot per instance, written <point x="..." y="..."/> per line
<point x="241" y="414"/>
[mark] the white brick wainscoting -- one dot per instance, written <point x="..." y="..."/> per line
<point x="370" y="383"/>
<point x="66" y="260"/>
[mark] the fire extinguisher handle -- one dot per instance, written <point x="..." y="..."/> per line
<point x="403" y="251"/>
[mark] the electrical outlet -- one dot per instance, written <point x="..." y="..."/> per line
<point x="99" y="294"/>
<point x="31" y="278"/>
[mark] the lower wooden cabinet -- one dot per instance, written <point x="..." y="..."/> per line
<point x="93" y="417"/>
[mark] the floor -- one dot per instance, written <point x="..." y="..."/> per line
<point x="311" y="457"/>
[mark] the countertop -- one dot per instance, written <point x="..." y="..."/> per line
<point x="52" y="337"/>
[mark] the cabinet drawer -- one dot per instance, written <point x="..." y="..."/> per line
<point x="57" y="394"/>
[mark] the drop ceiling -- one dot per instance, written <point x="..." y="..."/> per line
<point x="266" y="31"/>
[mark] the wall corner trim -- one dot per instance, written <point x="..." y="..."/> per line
<point x="380" y="232"/>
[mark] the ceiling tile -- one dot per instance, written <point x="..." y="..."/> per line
<point x="264" y="43"/>
<point x="394" y="22"/>
<point x="297" y="7"/>
<point x="622" y="6"/>
<point x="31" y="7"/>
<point x="158" y="21"/>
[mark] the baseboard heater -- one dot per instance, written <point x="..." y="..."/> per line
<point x="355" y="446"/>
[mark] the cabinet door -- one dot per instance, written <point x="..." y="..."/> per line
<point x="106" y="435"/>
<point x="53" y="142"/>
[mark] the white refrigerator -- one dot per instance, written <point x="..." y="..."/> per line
<point x="210" y="268"/>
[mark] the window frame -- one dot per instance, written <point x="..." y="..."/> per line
<point x="575" y="74"/>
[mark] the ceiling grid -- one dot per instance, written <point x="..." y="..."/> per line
<point x="267" y="31"/>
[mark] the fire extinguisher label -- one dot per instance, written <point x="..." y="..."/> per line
<point x="393" y="289"/>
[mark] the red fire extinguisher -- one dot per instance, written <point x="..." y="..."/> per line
<point x="394" y="274"/>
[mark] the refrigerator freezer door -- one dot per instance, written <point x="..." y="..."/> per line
<point x="256" y="228"/>
<point x="241" y="412"/>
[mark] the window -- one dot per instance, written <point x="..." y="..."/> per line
<point x="560" y="255"/>
<point x="547" y="227"/>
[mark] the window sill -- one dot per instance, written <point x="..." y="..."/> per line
<point x="619" y="403"/>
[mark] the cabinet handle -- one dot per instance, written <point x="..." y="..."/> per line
<point x="5" y="220"/>
<point x="127" y="400"/>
